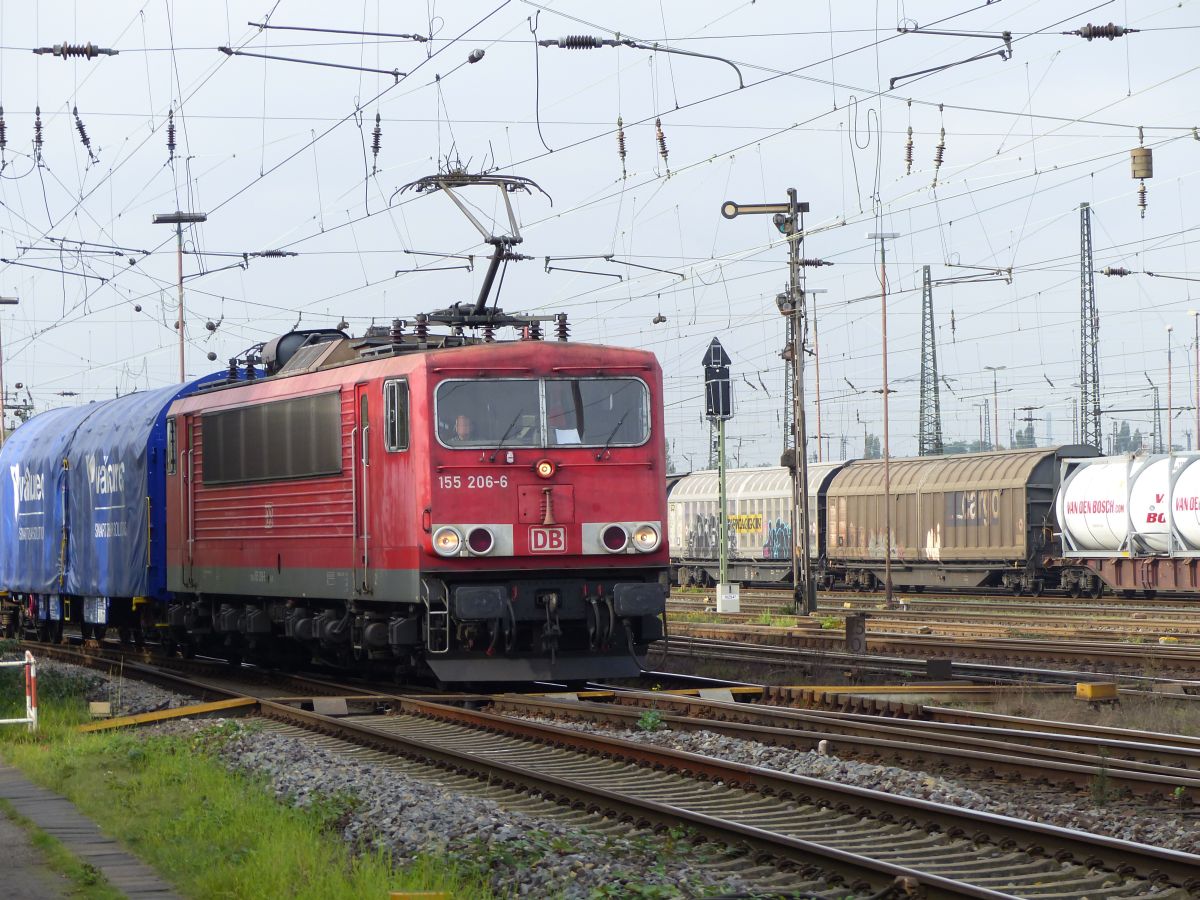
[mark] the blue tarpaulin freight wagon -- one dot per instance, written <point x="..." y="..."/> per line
<point x="83" y="509"/>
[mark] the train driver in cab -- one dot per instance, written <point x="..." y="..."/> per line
<point x="464" y="428"/>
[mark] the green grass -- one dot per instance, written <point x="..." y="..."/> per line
<point x="211" y="833"/>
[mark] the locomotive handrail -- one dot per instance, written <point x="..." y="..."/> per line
<point x="190" y="479"/>
<point x="366" y="489"/>
<point x="354" y="504"/>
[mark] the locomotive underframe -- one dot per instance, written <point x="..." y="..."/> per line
<point x="1030" y="578"/>
<point x="1148" y="575"/>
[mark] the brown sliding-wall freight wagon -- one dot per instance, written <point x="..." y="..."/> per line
<point x="975" y="520"/>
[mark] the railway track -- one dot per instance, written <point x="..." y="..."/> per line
<point x="777" y="598"/>
<point x="920" y="622"/>
<point x="1146" y="764"/>
<point x="841" y="837"/>
<point x="1084" y="656"/>
<point x="798" y="663"/>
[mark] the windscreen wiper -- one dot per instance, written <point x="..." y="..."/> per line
<point x="507" y="432"/>
<point x="612" y="434"/>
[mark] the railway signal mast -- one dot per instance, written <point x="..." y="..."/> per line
<point x="718" y="406"/>
<point x="789" y="219"/>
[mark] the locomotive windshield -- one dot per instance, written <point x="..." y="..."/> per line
<point x="551" y="412"/>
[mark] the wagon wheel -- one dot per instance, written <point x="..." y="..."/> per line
<point x="98" y="632"/>
<point x="1096" y="591"/>
<point x="1074" y="591"/>
<point x="1036" y="589"/>
<point x="1149" y="595"/>
<point x="1016" y="589"/>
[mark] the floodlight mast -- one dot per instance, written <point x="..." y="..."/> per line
<point x="179" y="219"/>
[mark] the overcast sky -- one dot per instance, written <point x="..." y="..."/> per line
<point x="278" y="154"/>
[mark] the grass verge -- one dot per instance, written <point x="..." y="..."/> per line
<point x="211" y="833"/>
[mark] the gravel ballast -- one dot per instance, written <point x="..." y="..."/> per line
<point x="520" y="854"/>
<point x="1129" y="820"/>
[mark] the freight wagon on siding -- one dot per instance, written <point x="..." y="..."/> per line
<point x="1134" y="521"/>
<point x="759" y="532"/>
<point x="972" y="520"/>
<point x="83" y="516"/>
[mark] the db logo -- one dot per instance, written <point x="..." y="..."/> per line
<point x="543" y="539"/>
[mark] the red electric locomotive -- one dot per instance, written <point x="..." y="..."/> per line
<point x="486" y="511"/>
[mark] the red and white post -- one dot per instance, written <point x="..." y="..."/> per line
<point x="31" y="703"/>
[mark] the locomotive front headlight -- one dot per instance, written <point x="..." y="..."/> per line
<point x="447" y="541"/>
<point x="544" y="468"/>
<point x="646" y="538"/>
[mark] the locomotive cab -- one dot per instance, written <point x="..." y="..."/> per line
<point x="547" y="550"/>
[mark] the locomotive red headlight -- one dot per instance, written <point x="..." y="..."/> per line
<point x="481" y="541"/>
<point x="544" y="468"/>
<point x="615" y="538"/>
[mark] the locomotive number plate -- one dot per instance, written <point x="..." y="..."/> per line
<point x="547" y="539"/>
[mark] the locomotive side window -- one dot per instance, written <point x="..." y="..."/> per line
<point x="395" y="411"/>
<point x="554" y="412"/>
<point x="298" y="438"/>
<point x="172" y="446"/>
